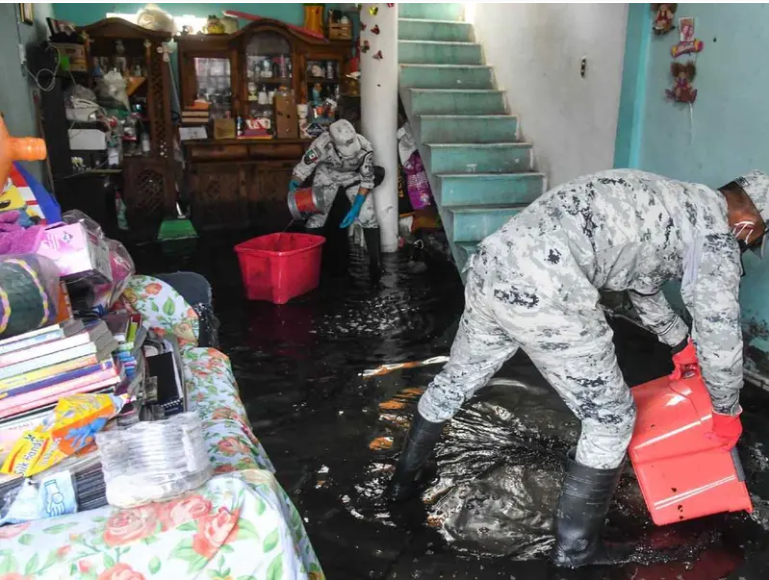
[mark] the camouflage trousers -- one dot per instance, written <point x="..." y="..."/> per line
<point x="326" y="184"/>
<point x="573" y="351"/>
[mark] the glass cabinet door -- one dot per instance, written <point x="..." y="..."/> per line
<point x="214" y="85"/>
<point x="269" y="71"/>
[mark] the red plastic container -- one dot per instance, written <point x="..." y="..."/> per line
<point x="683" y="473"/>
<point x="279" y="267"/>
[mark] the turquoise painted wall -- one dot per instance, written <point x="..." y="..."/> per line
<point x="727" y="131"/>
<point x="82" y="14"/>
<point x="16" y="102"/>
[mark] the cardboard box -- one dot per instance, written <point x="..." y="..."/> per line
<point x="72" y="56"/>
<point x="80" y="255"/>
<point x="224" y="129"/>
<point x="286" y="119"/>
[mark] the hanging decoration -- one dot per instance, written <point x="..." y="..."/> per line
<point x="374" y="10"/>
<point x="375" y="30"/>
<point x="363" y="25"/>
<point x="687" y="43"/>
<point x="663" y="21"/>
<point x="391" y="5"/>
<point x="378" y="55"/>
<point x="683" y="91"/>
<point x="365" y="47"/>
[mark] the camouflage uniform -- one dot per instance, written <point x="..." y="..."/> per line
<point x="534" y="284"/>
<point x="333" y="171"/>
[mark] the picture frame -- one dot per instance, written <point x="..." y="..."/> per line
<point x="26" y="13"/>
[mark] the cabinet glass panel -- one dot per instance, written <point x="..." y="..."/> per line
<point x="269" y="69"/>
<point x="215" y="85"/>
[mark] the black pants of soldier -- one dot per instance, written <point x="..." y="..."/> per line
<point x="336" y="250"/>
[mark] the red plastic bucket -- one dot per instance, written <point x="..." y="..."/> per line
<point x="279" y="267"/>
<point x="302" y="203"/>
<point x="683" y="473"/>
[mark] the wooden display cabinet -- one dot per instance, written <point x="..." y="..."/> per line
<point x="149" y="190"/>
<point x="244" y="181"/>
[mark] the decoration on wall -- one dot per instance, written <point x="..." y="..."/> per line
<point x="374" y="10"/>
<point x="682" y="91"/>
<point x="391" y="5"/>
<point x="663" y="21"/>
<point x="363" y="25"/>
<point x="375" y="30"/>
<point x="378" y="55"/>
<point x="687" y="43"/>
<point x="365" y="47"/>
<point x="26" y="14"/>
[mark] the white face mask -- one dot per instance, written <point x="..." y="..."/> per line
<point x="740" y="227"/>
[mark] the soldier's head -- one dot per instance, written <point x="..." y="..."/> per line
<point x="747" y="200"/>
<point x="345" y="138"/>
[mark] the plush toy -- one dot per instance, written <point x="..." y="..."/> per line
<point x="663" y="21"/>
<point x="682" y="91"/>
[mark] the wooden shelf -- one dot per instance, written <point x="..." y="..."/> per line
<point x="322" y="81"/>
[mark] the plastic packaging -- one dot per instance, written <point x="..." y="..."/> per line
<point x="154" y="461"/>
<point x="53" y="495"/>
<point x="682" y="471"/>
<point x="29" y="291"/>
<point x="69" y="428"/>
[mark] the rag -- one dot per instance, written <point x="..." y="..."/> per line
<point x="14" y="238"/>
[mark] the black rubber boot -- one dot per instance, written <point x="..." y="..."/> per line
<point x="579" y="521"/>
<point x="374" y="247"/>
<point x="420" y="442"/>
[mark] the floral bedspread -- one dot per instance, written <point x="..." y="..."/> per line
<point x="240" y="526"/>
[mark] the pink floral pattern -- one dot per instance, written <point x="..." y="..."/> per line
<point x="240" y="525"/>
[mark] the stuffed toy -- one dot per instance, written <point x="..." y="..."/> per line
<point x="663" y="21"/>
<point x="682" y="91"/>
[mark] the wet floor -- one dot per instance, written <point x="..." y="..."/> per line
<point x="333" y="437"/>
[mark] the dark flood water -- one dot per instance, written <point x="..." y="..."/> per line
<point x="334" y="436"/>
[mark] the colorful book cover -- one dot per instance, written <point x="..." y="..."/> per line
<point x="56" y="379"/>
<point x="41" y="335"/>
<point x="35" y="399"/>
<point x="103" y="347"/>
<point x="90" y="334"/>
<point x="50" y="371"/>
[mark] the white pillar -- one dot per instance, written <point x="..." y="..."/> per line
<point x="379" y="110"/>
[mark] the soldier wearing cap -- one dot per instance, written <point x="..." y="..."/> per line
<point x="341" y="158"/>
<point x="534" y="284"/>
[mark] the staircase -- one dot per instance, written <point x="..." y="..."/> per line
<point x="480" y="172"/>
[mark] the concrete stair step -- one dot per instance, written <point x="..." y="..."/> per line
<point x="480" y="157"/>
<point x="431" y="11"/>
<point x="431" y="52"/>
<point x="474" y="223"/>
<point x="456" y="101"/>
<point x="446" y="76"/>
<point x="467" y="128"/>
<point x="469" y="248"/>
<point x="446" y="30"/>
<point x="464" y="189"/>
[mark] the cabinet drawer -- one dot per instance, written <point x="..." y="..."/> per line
<point x="218" y="152"/>
<point x="275" y="150"/>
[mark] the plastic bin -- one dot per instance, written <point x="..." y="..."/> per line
<point x="279" y="267"/>
<point x="683" y="473"/>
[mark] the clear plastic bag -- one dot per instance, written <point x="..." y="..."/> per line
<point x="154" y="461"/>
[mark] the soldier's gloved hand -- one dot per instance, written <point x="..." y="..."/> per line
<point x="726" y="429"/>
<point x="354" y="211"/>
<point x="293" y="186"/>
<point x="684" y="358"/>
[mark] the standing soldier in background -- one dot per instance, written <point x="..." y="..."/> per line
<point x="342" y="159"/>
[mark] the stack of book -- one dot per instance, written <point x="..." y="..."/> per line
<point x="40" y="367"/>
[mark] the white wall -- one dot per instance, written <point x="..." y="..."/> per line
<point x="536" y="51"/>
